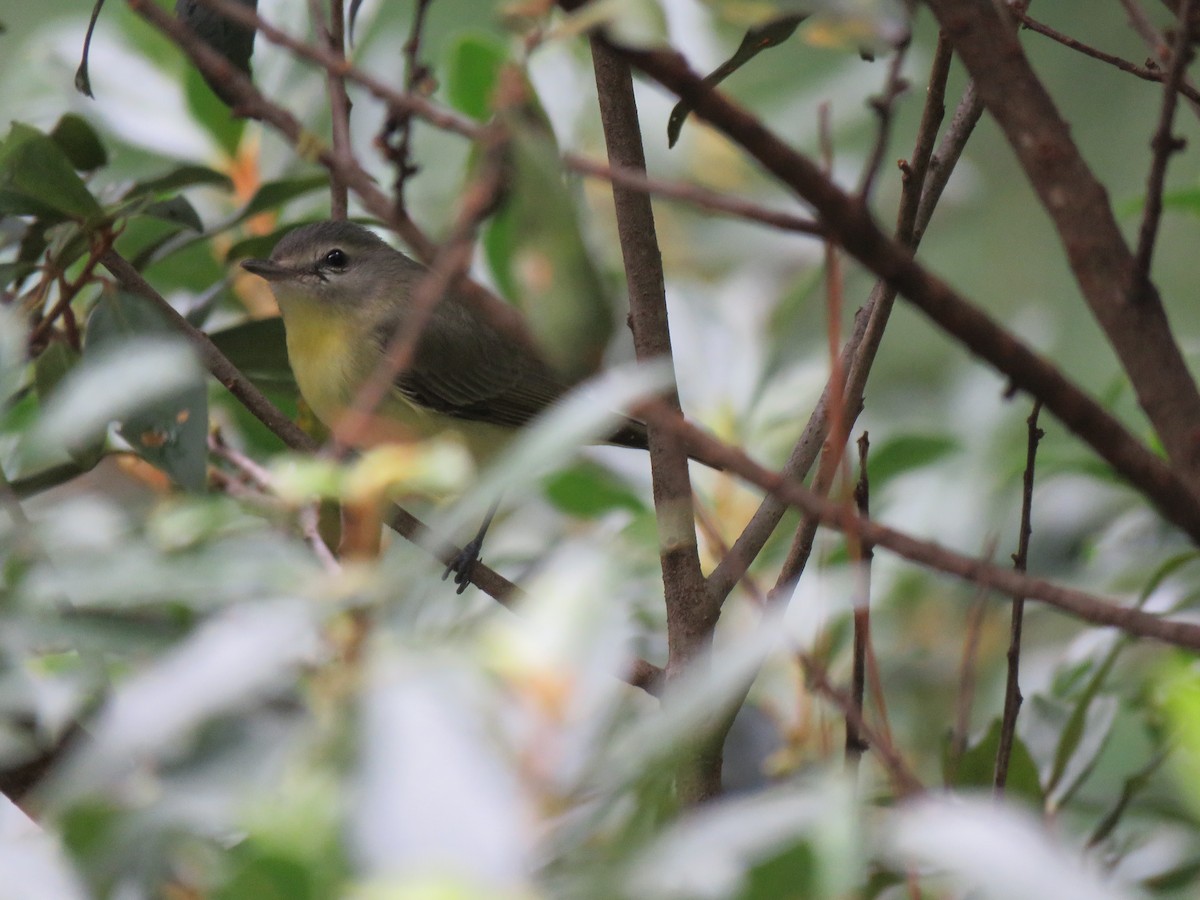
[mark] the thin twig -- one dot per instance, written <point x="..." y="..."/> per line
<point x="860" y="349"/>
<point x="1167" y="489"/>
<point x="1080" y="604"/>
<point x="1163" y="145"/>
<point x="400" y="121"/>
<point x="884" y="105"/>
<point x="333" y="38"/>
<point x="691" y="193"/>
<point x="855" y="744"/>
<point x="1012" y="684"/>
<point x="1156" y="75"/>
<point x="967" y="669"/>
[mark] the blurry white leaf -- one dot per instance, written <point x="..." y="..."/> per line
<point x="112" y="384"/>
<point x="12" y="352"/>
<point x="32" y="866"/>
<point x="709" y="853"/>
<point x="590" y="412"/>
<point x="694" y="704"/>
<point x="565" y="653"/>
<point x="993" y="849"/>
<point x="435" y="797"/>
<point x="231" y="662"/>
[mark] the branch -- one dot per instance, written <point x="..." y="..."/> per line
<point x="1127" y="308"/>
<point x="1155" y="75"/>
<point x="1089" y="607"/>
<point x="889" y="259"/>
<point x="1163" y="145"/>
<point x="1012" y="685"/>
<point x="691" y="614"/>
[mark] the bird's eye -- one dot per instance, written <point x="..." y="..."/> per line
<point x="336" y="258"/>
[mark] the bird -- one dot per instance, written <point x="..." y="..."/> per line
<point x="344" y="292"/>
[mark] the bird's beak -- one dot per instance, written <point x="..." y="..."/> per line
<point x="264" y="268"/>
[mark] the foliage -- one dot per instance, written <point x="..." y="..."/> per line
<point x="198" y="699"/>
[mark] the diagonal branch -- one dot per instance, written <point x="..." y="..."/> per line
<point x="889" y="259"/>
<point x="1127" y="307"/>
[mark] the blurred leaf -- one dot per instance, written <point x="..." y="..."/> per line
<point x="905" y="453"/>
<point x="1080" y="719"/>
<point x="112" y="386"/>
<point x="180" y="177"/>
<point x="52" y="366"/>
<point x="274" y="194"/>
<point x="713" y="852"/>
<point x="976" y="767"/>
<point x="992" y="850"/>
<point x="475" y="63"/>
<point x="756" y="40"/>
<point x="472" y="824"/>
<point x="212" y="112"/>
<point x="177" y="211"/>
<point x="242" y="655"/>
<point x="259" y="349"/>
<point x="588" y="490"/>
<point x="80" y="142"/>
<point x="543" y="253"/>
<point x="232" y="40"/>
<point x="172" y="432"/>
<point x="37" y="178"/>
<point x="1084" y="739"/>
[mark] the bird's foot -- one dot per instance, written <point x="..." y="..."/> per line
<point x="463" y="564"/>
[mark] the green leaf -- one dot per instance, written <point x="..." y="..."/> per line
<point x="906" y="453"/>
<point x="80" y="142"/>
<point x="756" y="40"/>
<point x="259" y="349"/>
<point x="588" y="490"/>
<point x="179" y="178"/>
<point x="171" y="431"/>
<point x="475" y="63"/>
<point x="274" y="194"/>
<point x="177" y="211"/>
<point x="212" y="112"/>
<point x="537" y="246"/>
<point x="976" y="767"/>
<point x="37" y="178"/>
<point x="52" y="366"/>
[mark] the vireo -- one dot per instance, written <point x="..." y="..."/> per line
<point x="344" y="293"/>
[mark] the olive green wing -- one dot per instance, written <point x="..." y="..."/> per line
<point x="464" y="368"/>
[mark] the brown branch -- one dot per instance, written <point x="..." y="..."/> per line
<point x="1012" y="684"/>
<point x="859" y="353"/>
<point x="1155" y="75"/>
<point x="1128" y="309"/>
<point x="1163" y="145"/>
<point x="691" y="193"/>
<point x="1089" y="607"/>
<point x="400" y="120"/>
<point x="856" y="745"/>
<point x="691" y="614"/>
<point x="332" y="38"/>
<point x="884" y="105"/>
<point x="891" y="260"/>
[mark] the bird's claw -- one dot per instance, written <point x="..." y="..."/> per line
<point x="463" y="565"/>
